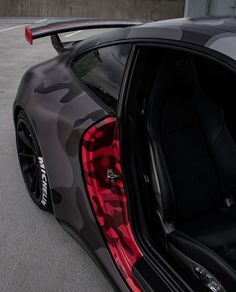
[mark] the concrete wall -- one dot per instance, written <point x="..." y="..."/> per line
<point x="117" y="9"/>
<point x="195" y="8"/>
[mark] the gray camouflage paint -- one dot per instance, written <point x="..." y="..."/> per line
<point x="60" y="111"/>
<point x="62" y="114"/>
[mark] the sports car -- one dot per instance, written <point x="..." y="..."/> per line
<point x="129" y="138"/>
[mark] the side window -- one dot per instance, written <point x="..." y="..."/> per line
<point x="102" y="71"/>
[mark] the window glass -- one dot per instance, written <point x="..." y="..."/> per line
<point x="102" y="71"/>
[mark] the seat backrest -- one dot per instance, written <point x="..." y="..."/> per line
<point x="194" y="139"/>
<point x="220" y="142"/>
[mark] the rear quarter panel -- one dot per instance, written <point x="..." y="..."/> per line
<point x="60" y="111"/>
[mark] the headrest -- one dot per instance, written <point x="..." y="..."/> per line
<point x="180" y="72"/>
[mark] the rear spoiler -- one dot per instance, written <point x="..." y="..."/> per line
<point x="55" y="28"/>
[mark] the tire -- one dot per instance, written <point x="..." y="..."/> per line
<point x="32" y="163"/>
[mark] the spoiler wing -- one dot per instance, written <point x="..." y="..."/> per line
<point x="55" y="28"/>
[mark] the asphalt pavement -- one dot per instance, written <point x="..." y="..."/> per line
<point x="36" y="254"/>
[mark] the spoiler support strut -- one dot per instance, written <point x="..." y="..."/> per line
<point x="56" y="43"/>
<point x="55" y="28"/>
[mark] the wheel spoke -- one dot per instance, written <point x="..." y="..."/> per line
<point x="36" y="192"/>
<point x="26" y="155"/>
<point x="28" y="167"/>
<point x="26" y="140"/>
<point x="35" y="178"/>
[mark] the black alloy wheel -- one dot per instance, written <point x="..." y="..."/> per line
<point x="32" y="163"/>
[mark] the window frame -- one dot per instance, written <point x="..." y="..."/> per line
<point x="85" y="87"/>
<point x="142" y="237"/>
<point x="138" y="44"/>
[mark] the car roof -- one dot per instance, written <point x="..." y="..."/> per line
<point x="217" y="33"/>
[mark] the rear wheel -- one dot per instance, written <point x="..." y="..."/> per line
<point x="32" y="163"/>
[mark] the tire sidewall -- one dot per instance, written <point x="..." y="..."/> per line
<point x="44" y="201"/>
